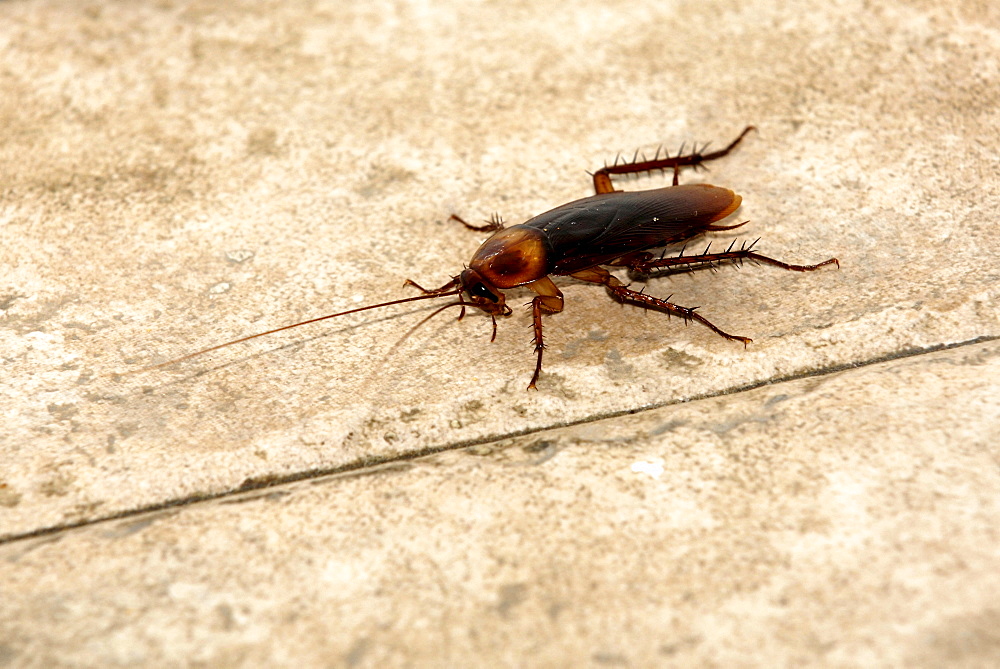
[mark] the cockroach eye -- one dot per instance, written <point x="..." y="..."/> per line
<point x="479" y="290"/>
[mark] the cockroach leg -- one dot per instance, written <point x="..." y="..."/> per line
<point x="644" y="263"/>
<point x="602" y="177"/>
<point x="549" y="300"/>
<point x="495" y="221"/>
<point x="451" y="285"/>
<point x="536" y="314"/>
<point x="623" y="293"/>
<point x="411" y="282"/>
<point x="462" y="302"/>
<point x="493" y="224"/>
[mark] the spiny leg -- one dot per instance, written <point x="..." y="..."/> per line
<point x="536" y="314"/>
<point x="602" y="177"/>
<point x="645" y="262"/>
<point x="622" y="293"/>
<point x="549" y="300"/>
<point x="493" y="224"/>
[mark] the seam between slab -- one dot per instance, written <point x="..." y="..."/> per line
<point x="264" y="483"/>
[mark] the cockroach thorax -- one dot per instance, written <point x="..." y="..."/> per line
<point x="512" y="257"/>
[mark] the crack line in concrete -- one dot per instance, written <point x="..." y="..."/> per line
<point x="267" y="482"/>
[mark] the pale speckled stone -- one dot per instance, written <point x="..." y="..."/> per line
<point x="844" y="520"/>
<point x="144" y="146"/>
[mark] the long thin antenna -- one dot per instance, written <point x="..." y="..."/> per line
<point x="293" y="325"/>
<point x="399" y="342"/>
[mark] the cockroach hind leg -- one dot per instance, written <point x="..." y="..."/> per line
<point x="623" y="294"/>
<point x="687" y="314"/>
<point x="645" y="266"/>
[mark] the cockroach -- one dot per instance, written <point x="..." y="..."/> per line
<point x="580" y="239"/>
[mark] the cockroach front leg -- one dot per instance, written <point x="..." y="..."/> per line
<point x="451" y="285"/>
<point x="549" y="300"/>
<point x="493" y="224"/>
<point x="622" y="293"/>
<point x="602" y="177"/>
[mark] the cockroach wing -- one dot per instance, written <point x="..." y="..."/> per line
<point x="597" y="229"/>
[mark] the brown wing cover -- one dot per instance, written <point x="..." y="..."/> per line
<point x="597" y="229"/>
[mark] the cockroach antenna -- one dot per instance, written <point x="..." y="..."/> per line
<point x="429" y="295"/>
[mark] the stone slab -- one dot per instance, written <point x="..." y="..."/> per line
<point x="180" y="174"/>
<point x="177" y="174"/>
<point x="850" y="519"/>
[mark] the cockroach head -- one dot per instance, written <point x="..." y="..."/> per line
<point x="482" y="294"/>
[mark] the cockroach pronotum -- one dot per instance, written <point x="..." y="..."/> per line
<point x="611" y="228"/>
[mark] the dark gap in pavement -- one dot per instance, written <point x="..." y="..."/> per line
<point x="275" y="481"/>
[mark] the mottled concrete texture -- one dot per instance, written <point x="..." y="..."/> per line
<point x="176" y="174"/>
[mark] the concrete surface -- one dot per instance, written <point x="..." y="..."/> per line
<point x="176" y="174"/>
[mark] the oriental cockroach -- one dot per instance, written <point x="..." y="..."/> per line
<point x="581" y="239"/>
